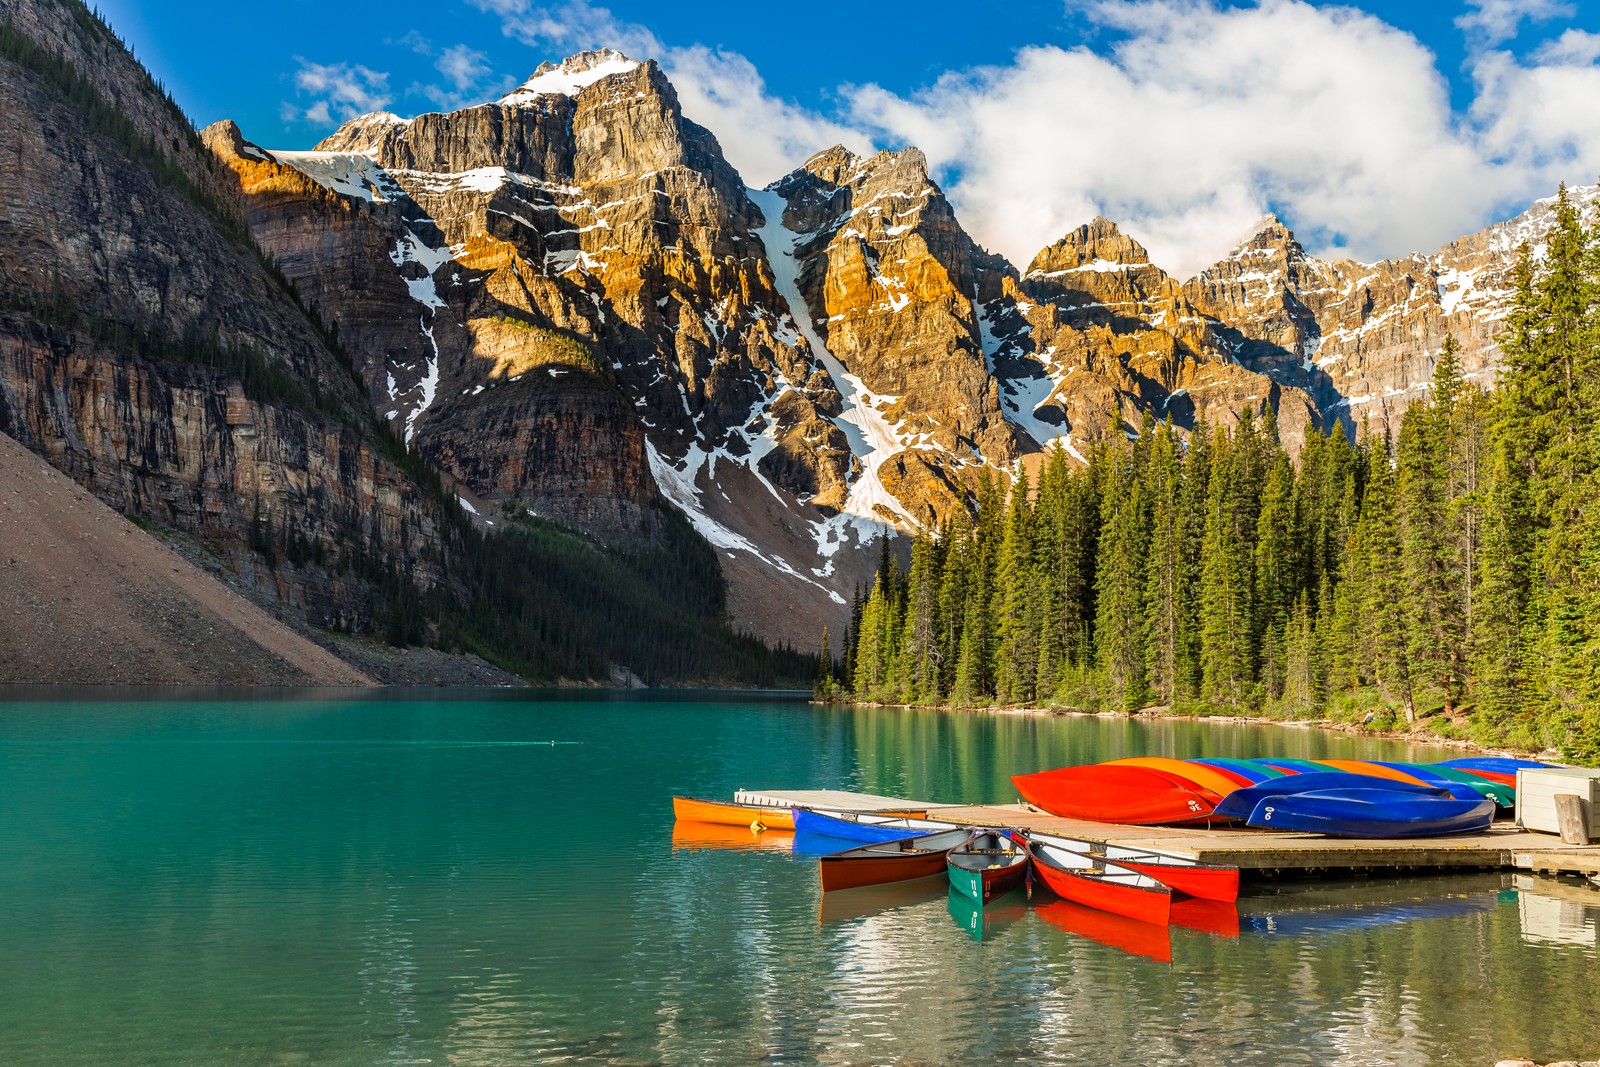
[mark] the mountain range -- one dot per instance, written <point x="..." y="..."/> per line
<point x="566" y="305"/>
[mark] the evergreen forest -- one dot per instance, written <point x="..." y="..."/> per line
<point x="1446" y="576"/>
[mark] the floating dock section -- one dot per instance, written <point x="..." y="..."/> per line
<point x="1262" y="853"/>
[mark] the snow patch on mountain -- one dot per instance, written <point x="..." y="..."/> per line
<point x="681" y="487"/>
<point x="349" y="173"/>
<point x="570" y="78"/>
<point x="872" y="438"/>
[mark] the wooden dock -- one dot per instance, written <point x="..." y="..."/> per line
<point x="1270" y="853"/>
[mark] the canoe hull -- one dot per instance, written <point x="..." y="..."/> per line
<point x="890" y="861"/>
<point x="1210" y="881"/>
<point x="1145" y="905"/>
<point x="1216" y="779"/>
<point x="731" y="813"/>
<point x="1242" y="803"/>
<point x="988" y="865"/>
<point x="1373" y="813"/>
<point x="1100" y="793"/>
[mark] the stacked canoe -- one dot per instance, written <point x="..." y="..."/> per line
<point x="1345" y="798"/>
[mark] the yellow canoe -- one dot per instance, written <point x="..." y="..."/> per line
<point x="1198" y="773"/>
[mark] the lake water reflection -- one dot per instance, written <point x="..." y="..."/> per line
<point x="359" y="881"/>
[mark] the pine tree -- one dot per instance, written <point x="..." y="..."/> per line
<point x="1166" y="593"/>
<point x="1385" y="613"/>
<point x="1120" y="577"/>
<point x="921" y="650"/>
<point x="824" y="687"/>
<point x="1301" y="692"/>
<point x="872" y="649"/>
<point x="1016" y="632"/>
<point x="952" y="610"/>
<point x="1277" y="572"/>
<point x="1226" y="617"/>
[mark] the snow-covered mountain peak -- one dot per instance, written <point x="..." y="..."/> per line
<point x="1268" y="231"/>
<point x="1097" y="245"/>
<point x="571" y="76"/>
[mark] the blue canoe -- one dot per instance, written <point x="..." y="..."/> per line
<point x="1494" y="764"/>
<point x="863" y="828"/>
<point x="1373" y="813"/>
<point x="1241" y="803"/>
<point x="1255" y="772"/>
<point x="1504" y="796"/>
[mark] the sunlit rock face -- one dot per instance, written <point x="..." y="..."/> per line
<point x="136" y="306"/>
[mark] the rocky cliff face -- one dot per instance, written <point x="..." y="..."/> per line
<point x="1093" y="336"/>
<point x="885" y="283"/>
<point x="1362" y="338"/>
<point x="149" y="354"/>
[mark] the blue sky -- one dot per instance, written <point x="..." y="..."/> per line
<point x="1374" y="129"/>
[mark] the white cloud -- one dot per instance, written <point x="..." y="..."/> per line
<point x="469" y="79"/>
<point x="763" y="136"/>
<point x="1493" y="21"/>
<point x="463" y="66"/>
<point x="340" y="91"/>
<point x="571" y="26"/>
<point x="1200" y="118"/>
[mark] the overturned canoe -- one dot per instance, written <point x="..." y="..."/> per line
<point x="987" y="865"/>
<point x="1253" y="773"/>
<point x="1203" y="777"/>
<point x="1095" y="883"/>
<point x="889" y="861"/>
<point x="1242" y="803"/>
<point x="1105" y="793"/>
<point x="733" y="813"/>
<point x="1504" y="796"/>
<point x="1373" y="768"/>
<point x="1182" y="873"/>
<point x="1373" y="813"/>
<point x="1498" y="764"/>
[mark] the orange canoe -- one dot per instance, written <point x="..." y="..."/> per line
<point x="1219" y="782"/>
<point x="732" y="813"/>
<point x="1377" y="770"/>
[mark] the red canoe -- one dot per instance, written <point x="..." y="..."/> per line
<point x="1103" y="793"/>
<point x="1211" y="881"/>
<point x="1091" y="881"/>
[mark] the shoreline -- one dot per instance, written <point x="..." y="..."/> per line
<point x="1348" y="729"/>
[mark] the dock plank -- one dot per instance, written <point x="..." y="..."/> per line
<point x="833" y="799"/>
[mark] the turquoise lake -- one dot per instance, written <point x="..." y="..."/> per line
<point x="372" y="880"/>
